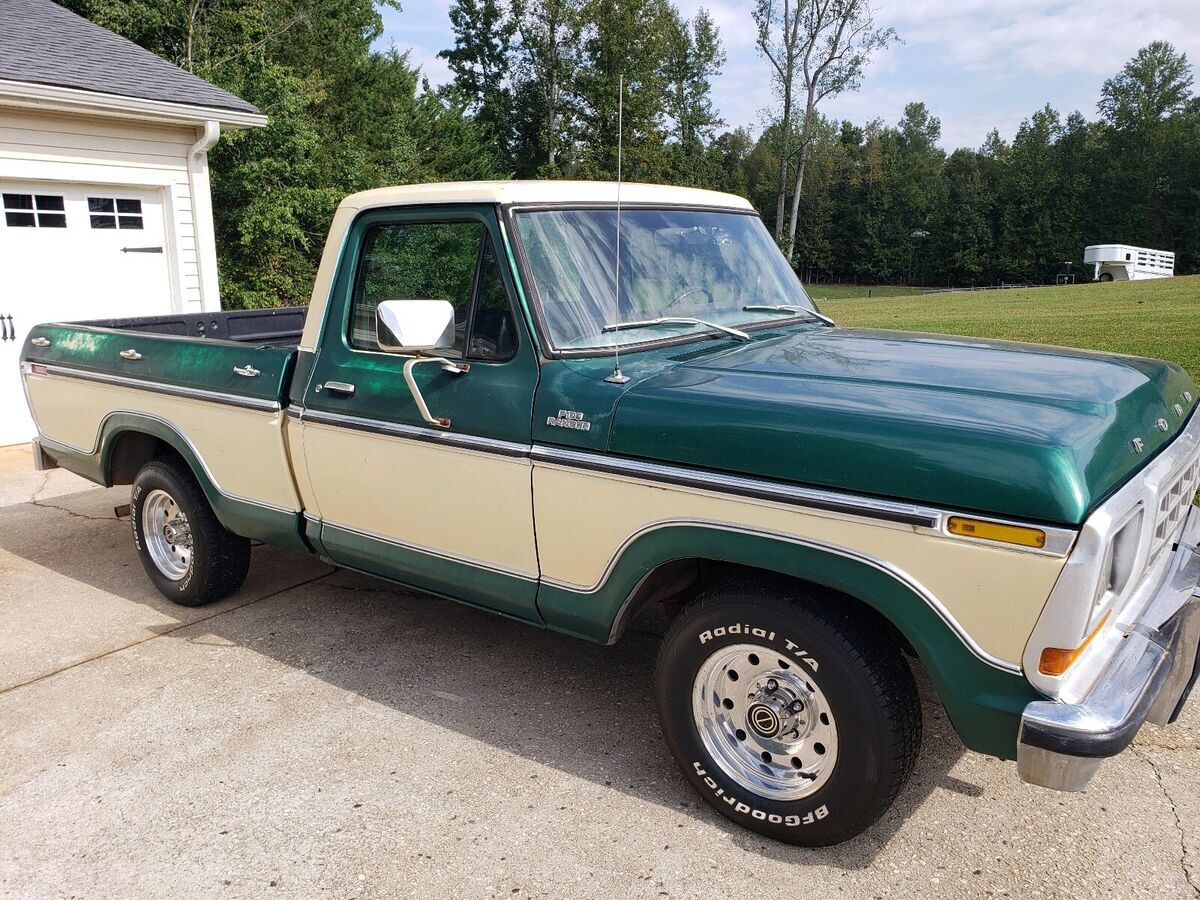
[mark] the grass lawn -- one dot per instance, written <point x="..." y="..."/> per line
<point x="845" y="291"/>
<point x="1159" y="318"/>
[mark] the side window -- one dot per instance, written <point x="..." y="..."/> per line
<point x="415" y="261"/>
<point x="452" y="261"/>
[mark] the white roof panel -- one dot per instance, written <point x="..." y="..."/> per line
<point x="538" y="192"/>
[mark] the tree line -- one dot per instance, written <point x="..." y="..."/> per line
<point x="534" y="95"/>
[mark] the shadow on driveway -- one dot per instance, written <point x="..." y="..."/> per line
<point x="583" y="709"/>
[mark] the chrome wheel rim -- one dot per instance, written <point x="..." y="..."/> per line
<point x="167" y="534"/>
<point x="765" y="722"/>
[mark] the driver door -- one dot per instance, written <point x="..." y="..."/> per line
<point x="445" y="509"/>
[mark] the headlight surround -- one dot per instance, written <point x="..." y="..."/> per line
<point x="1120" y="564"/>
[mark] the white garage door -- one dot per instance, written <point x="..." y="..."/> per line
<point x="70" y="252"/>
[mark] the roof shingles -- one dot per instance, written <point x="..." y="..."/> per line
<point x="42" y="43"/>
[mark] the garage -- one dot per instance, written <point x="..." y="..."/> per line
<point x="104" y="183"/>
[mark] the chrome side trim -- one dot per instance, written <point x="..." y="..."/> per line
<point x="195" y="452"/>
<point x="830" y="501"/>
<point x="410" y="432"/>
<point x="887" y="568"/>
<point x="425" y="551"/>
<point x="158" y="387"/>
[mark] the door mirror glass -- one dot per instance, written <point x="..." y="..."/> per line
<point x="405" y="326"/>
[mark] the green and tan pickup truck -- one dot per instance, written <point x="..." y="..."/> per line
<point x="494" y="399"/>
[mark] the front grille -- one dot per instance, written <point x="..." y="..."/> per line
<point x="1174" y="502"/>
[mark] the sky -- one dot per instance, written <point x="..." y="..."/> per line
<point x="977" y="64"/>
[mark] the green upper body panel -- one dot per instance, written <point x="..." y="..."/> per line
<point x="1011" y="429"/>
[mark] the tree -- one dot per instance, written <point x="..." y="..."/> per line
<point x="694" y="58"/>
<point x="1152" y="85"/>
<point x="481" y="60"/>
<point x="550" y="32"/>
<point x="818" y="48"/>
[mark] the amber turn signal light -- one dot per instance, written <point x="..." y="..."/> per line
<point x="1055" y="660"/>
<point x="994" y="531"/>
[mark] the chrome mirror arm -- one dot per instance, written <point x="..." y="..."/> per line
<point x="447" y="366"/>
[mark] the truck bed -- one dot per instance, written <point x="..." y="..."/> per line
<point x="213" y="386"/>
<point x="272" y="327"/>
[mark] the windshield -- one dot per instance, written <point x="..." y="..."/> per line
<point x="676" y="264"/>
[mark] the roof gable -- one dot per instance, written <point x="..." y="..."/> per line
<point x="43" y="43"/>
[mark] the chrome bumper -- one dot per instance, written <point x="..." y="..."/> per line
<point x="1147" y="679"/>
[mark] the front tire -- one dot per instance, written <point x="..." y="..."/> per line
<point x="191" y="558"/>
<point x="791" y="711"/>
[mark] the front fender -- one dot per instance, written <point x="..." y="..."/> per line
<point x="983" y="699"/>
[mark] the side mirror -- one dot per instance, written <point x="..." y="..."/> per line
<point x="404" y="326"/>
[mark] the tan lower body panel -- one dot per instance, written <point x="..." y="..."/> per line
<point x="459" y="503"/>
<point x="242" y="449"/>
<point x="584" y="518"/>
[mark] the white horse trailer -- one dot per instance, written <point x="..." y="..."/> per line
<point x="1120" y="262"/>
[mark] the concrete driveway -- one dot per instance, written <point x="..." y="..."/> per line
<point x="326" y="735"/>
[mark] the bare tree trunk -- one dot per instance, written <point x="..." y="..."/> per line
<point x="784" y="152"/>
<point x="805" y="145"/>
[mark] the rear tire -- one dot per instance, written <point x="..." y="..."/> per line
<point x="191" y="558"/>
<point x="1105" y="277"/>
<point x="790" y="710"/>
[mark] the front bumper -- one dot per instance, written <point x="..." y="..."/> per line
<point x="1146" y="679"/>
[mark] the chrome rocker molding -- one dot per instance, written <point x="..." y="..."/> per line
<point x="1147" y="679"/>
<point x="156" y="387"/>
<point x="409" y="432"/>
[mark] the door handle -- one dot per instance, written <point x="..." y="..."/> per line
<point x="141" y="250"/>
<point x="130" y="354"/>
<point x="7" y="331"/>
<point x="338" y="387"/>
<point x="447" y="366"/>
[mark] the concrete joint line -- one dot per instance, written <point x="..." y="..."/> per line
<point x="1183" y="851"/>
<point x="170" y="631"/>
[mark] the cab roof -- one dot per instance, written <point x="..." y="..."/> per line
<point x="542" y="192"/>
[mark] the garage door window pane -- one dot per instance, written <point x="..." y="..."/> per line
<point x="18" y="211"/>
<point x="103" y="210"/>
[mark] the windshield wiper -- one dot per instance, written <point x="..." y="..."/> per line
<point x="677" y="320"/>
<point x="803" y="310"/>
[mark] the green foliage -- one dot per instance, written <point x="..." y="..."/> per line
<point x="535" y="95"/>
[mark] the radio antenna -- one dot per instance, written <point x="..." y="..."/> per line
<point x="617" y="376"/>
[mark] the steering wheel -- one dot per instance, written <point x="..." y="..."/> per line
<point x="687" y="292"/>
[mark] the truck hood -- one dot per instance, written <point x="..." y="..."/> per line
<point x="1021" y="430"/>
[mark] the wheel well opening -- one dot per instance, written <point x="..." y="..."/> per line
<point x="132" y="450"/>
<point x="667" y="589"/>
